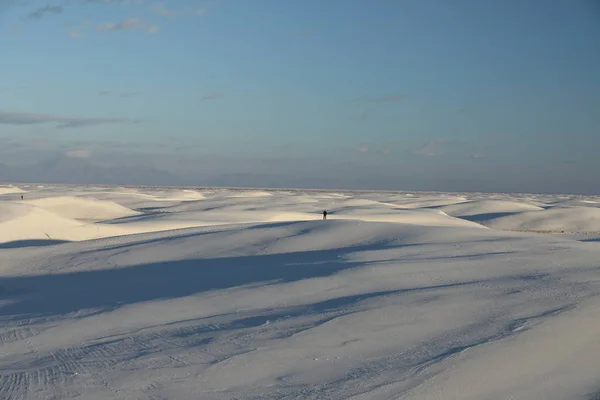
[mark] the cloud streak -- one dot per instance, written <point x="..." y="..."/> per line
<point x="43" y="11"/>
<point x="213" y="96"/>
<point x="130" y="24"/>
<point x="60" y="122"/>
<point x="79" y="153"/>
<point x="171" y="13"/>
<point x="430" y="149"/>
<point x="456" y="148"/>
<point x="76" y="31"/>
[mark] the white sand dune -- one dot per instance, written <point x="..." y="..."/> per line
<point x="414" y="217"/>
<point x="69" y="218"/>
<point x="224" y="210"/>
<point x="259" y="298"/>
<point x="24" y="222"/>
<point x="487" y="207"/>
<point x="429" y="202"/>
<point x="188" y="195"/>
<point x="351" y="202"/>
<point x="169" y="195"/>
<point x="81" y="208"/>
<point x="254" y="193"/>
<point x="125" y="197"/>
<point x="576" y="202"/>
<point x="571" y="219"/>
<point x="10" y="190"/>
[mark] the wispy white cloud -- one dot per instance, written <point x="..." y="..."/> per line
<point x="367" y="149"/>
<point x="78" y="153"/>
<point x="75" y="31"/>
<point x="430" y="149"/>
<point x="160" y="10"/>
<point x="61" y="122"/>
<point x="76" y="35"/>
<point x="213" y="96"/>
<point x="479" y="151"/>
<point x="130" y="24"/>
<point x="166" y="12"/>
<point x="456" y="148"/>
<point x="43" y="11"/>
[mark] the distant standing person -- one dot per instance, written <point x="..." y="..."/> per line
<point x="324" y="214"/>
<point x="21" y="197"/>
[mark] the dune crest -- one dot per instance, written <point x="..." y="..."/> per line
<point x="11" y="190"/>
<point x="22" y="222"/>
<point x="570" y="219"/>
<point x="82" y="208"/>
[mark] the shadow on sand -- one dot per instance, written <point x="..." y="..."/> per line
<point x="487" y="216"/>
<point x="55" y="294"/>
<point x="17" y="244"/>
<point x="62" y="293"/>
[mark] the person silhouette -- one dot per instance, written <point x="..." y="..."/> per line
<point x="324" y="214"/>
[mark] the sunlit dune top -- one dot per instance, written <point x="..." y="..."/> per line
<point x="10" y="190"/>
<point x="83" y="213"/>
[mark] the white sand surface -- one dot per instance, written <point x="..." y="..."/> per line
<point x="81" y="208"/>
<point x="120" y="293"/>
<point x="487" y="207"/>
<point x="557" y="219"/>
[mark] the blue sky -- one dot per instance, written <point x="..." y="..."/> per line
<point x="392" y="94"/>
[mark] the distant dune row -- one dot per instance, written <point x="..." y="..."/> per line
<point x="60" y="214"/>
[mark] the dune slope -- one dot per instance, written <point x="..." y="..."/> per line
<point x="486" y="208"/>
<point x="81" y="208"/>
<point x="571" y="219"/>
<point x="10" y="190"/>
